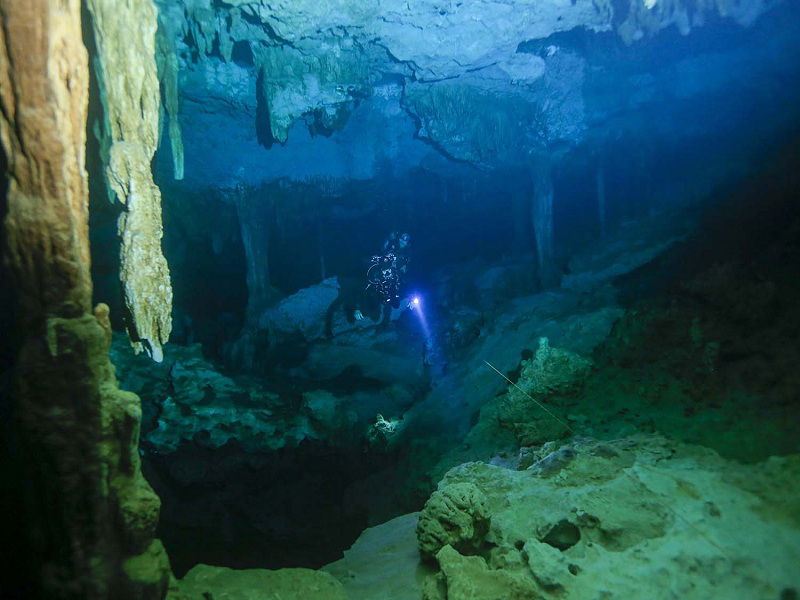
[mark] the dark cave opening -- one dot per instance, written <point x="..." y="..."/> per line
<point x="292" y="508"/>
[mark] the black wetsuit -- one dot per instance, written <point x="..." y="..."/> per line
<point x="393" y="265"/>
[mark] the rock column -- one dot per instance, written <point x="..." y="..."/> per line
<point x="89" y="516"/>
<point x="255" y="222"/>
<point x="600" y="186"/>
<point x="542" y="219"/>
<point x="520" y="207"/>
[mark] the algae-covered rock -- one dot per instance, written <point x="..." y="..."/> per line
<point x="190" y="400"/>
<point x="470" y="578"/>
<point x="454" y="515"/>
<point x="205" y="582"/>
<point x="527" y="408"/>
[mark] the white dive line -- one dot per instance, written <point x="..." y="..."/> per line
<point x="542" y="406"/>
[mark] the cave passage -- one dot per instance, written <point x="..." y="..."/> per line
<point x="426" y="296"/>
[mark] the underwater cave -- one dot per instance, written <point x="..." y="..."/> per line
<point x="400" y="299"/>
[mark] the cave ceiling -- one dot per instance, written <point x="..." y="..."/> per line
<point x="344" y="89"/>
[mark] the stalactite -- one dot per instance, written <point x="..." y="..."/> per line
<point x="89" y="515"/>
<point x="203" y="28"/>
<point x="542" y="218"/>
<point x="125" y="37"/>
<point x="167" y="59"/>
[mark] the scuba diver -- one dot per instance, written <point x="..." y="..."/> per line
<point x="387" y="271"/>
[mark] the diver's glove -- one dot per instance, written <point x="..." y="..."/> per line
<point x="358" y="315"/>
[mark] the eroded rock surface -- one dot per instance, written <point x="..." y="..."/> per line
<point x="635" y="517"/>
<point x="456" y="516"/>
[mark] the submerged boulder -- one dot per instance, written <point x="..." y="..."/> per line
<point x="301" y="313"/>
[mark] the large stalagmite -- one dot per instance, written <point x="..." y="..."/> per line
<point x="125" y="38"/>
<point x="89" y="516"/>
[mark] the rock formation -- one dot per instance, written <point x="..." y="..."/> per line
<point x="607" y="517"/>
<point x="315" y="60"/>
<point x="186" y="400"/>
<point x="89" y="516"/>
<point x="126" y="67"/>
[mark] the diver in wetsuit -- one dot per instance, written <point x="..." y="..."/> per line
<point x="387" y="271"/>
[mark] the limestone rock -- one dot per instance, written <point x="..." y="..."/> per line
<point x="328" y="414"/>
<point x="189" y="400"/>
<point x="635" y="517"/>
<point x="469" y="578"/>
<point x="88" y="515"/>
<point x="128" y="78"/>
<point x="647" y="18"/>
<point x="383" y="563"/>
<point x="205" y="581"/>
<point x="454" y="515"/>
<point x="316" y="61"/>
<point x="453" y="116"/>
<point x="551" y="372"/>
<point x="301" y="313"/>
<point x="167" y="61"/>
<point x="293" y="82"/>
<point x="329" y="360"/>
<point x="548" y="565"/>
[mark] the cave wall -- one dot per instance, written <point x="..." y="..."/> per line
<point x="85" y="515"/>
